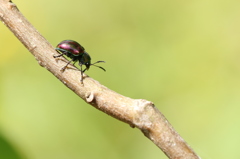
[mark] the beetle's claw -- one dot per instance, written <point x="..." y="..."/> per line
<point x="63" y="69"/>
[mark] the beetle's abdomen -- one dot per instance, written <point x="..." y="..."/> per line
<point x="72" y="47"/>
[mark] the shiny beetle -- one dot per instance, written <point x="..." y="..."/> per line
<point x="75" y="52"/>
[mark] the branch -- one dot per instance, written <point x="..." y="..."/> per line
<point x="136" y="112"/>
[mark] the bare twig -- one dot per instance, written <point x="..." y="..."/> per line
<point x="136" y="112"/>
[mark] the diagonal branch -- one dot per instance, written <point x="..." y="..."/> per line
<point x="136" y="112"/>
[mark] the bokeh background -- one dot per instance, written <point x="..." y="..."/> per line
<point x="182" y="55"/>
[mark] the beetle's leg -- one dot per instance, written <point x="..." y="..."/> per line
<point x="63" y="69"/>
<point x="61" y="52"/>
<point x="84" y="70"/>
<point x="81" y="73"/>
<point x="55" y="56"/>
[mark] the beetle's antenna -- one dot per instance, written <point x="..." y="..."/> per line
<point x="98" y="62"/>
<point x="99" y="66"/>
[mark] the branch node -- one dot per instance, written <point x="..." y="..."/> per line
<point x="144" y="111"/>
<point x="12" y="5"/>
<point x="89" y="96"/>
<point x="42" y="64"/>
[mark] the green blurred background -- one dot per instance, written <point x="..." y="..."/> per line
<point x="182" y="55"/>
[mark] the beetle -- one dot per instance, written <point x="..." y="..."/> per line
<point x="75" y="52"/>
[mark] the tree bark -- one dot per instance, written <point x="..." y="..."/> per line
<point x="138" y="113"/>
